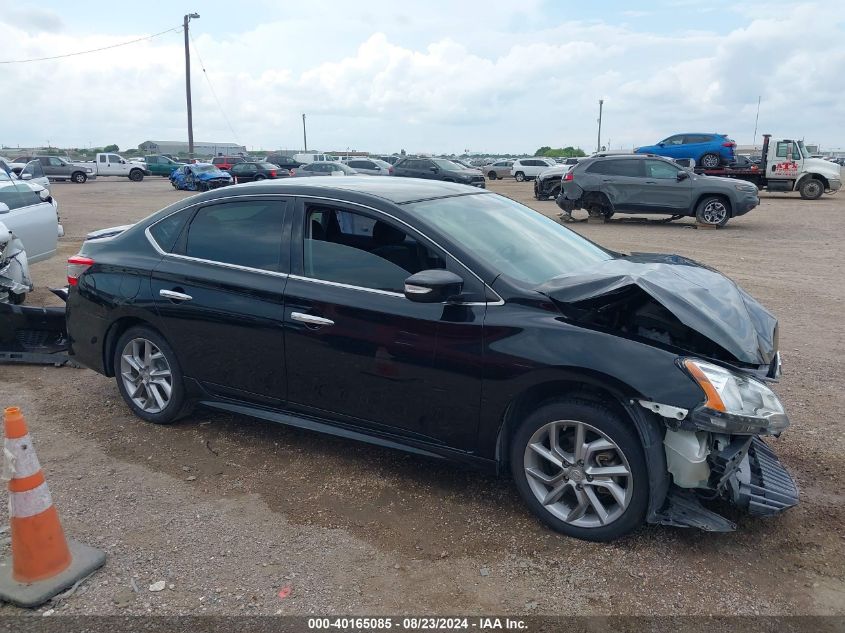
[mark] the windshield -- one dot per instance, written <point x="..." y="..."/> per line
<point x="202" y="169"/>
<point x="448" y="165"/>
<point x="804" y="151"/>
<point x="511" y="238"/>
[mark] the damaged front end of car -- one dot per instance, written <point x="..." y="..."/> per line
<point x="726" y="343"/>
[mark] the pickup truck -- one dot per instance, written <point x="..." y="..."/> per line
<point x="786" y="166"/>
<point x="56" y="168"/>
<point x="161" y="165"/>
<point x="108" y="164"/>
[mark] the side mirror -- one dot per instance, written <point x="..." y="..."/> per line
<point x="45" y="195"/>
<point x="661" y="145"/>
<point x="683" y="175"/>
<point x="4" y="208"/>
<point x="26" y="176"/>
<point x="433" y="286"/>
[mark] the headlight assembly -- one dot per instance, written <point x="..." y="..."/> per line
<point x="734" y="403"/>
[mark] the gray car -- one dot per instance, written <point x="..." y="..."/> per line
<point x="371" y="166"/>
<point x="498" y="169"/>
<point x="323" y="168"/>
<point x="605" y="185"/>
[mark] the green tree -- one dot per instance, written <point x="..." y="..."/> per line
<point x="111" y="148"/>
<point x="542" y="151"/>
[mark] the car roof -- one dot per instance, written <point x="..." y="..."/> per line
<point x="395" y="190"/>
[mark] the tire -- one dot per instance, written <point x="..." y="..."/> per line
<point x="811" y="189"/>
<point x="713" y="211"/>
<point x="201" y="186"/>
<point x="259" y="177"/>
<point x="492" y="175"/>
<point x="146" y="405"/>
<point x="136" y="175"/>
<point x="582" y="507"/>
<point x="79" y="177"/>
<point x="710" y="161"/>
<point x="520" y="177"/>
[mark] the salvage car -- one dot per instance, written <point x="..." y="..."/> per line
<point x="547" y="184"/>
<point x="199" y="177"/>
<point x="454" y="323"/>
<point x="29" y="231"/>
<point x="633" y="183"/>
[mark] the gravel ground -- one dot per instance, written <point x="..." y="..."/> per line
<point x="229" y="511"/>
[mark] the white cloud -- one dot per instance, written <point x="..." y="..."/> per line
<point x="443" y="81"/>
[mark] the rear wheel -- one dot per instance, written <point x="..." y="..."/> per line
<point x="713" y="211"/>
<point x="260" y="177"/>
<point x="811" y="189"/>
<point x="492" y="175"/>
<point x="581" y="469"/>
<point x="520" y="177"/>
<point x="710" y="161"/>
<point x="136" y="175"/>
<point x="148" y="376"/>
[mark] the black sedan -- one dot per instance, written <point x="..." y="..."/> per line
<point x="248" y="172"/>
<point x="454" y="323"/>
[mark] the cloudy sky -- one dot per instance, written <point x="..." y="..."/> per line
<point x="427" y="76"/>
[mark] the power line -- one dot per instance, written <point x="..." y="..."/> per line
<point x="93" y="50"/>
<point x="213" y="92"/>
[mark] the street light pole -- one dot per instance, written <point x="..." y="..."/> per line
<point x="304" y="137"/>
<point x="188" y="83"/>
<point x="598" y="139"/>
<point x="756" y="119"/>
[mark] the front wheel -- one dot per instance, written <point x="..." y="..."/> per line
<point x="79" y="177"/>
<point x="148" y="376"/>
<point x="581" y="469"/>
<point x="492" y="175"/>
<point x="712" y="211"/>
<point x="811" y="189"/>
<point x="520" y="177"/>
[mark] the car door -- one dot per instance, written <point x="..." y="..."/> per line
<point x="359" y="352"/>
<point x="662" y="190"/>
<point x="621" y="180"/>
<point x="30" y="219"/>
<point x="219" y="295"/>
<point x="241" y="173"/>
<point x="672" y="146"/>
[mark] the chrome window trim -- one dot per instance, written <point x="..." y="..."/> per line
<point x="499" y="300"/>
<point x="337" y="284"/>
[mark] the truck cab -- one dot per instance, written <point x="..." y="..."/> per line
<point x="788" y="166"/>
<point x="108" y="164"/>
<point x="161" y="165"/>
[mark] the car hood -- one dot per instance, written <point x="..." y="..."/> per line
<point x="671" y="300"/>
<point x="824" y="167"/>
<point x="214" y="175"/>
<point x="467" y="172"/>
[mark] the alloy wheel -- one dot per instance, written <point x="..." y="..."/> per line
<point x="146" y="375"/>
<point x="578" y="473"/>
<point x="715" y="212"/>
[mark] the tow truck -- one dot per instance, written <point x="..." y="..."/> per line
<point x="786" y="166"/>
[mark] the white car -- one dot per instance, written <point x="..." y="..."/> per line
<point x="29" y="232"/>
<point x="528" y="168"/>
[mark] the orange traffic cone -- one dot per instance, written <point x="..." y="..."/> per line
<point x="43" y="561"/>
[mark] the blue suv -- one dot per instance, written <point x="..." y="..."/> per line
<point x="708" y="150"/>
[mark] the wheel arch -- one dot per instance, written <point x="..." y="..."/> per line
<point x="814" y="175"/>
<point x="114" y="333"/>
<point x="602" y="389"/>
<point x="714" y="194"/>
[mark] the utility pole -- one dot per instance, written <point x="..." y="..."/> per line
<point x="304" y="137"/>
<point x="188" y="17"/>
<point x="598" y="139"/>
<point x="756" y="118"/>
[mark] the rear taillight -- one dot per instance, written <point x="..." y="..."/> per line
<point x="390" y="171"/>
<point x="77" y="265"/>
<point x="728" y="144"/>
<point x="272" y="173"/>
<point x="293" y="172"/>
<point x="568" y="176"/>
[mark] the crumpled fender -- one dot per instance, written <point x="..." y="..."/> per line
<point x="702" y="299"/>
<point x="14" y="266"/>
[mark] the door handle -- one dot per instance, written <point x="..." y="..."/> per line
<point x="174" y="296"/>
<point x="650" y="182"/>
<point x="310" y="319"/>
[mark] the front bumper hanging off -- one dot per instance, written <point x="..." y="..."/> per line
<point x="34" y="334"/>
<point x="746" y="473"/>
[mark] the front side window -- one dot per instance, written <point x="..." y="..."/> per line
<point x="782" y="149"/>
<point x="114" y="158"/>
<point x="358" y="250"/>
<point x="678" y="139"/>
<point x="508" y="237"/>
<point x="241" y="233"/>
<point x="660" y="169"/>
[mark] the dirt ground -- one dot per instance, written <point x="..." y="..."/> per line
<point x="229" y="511"/>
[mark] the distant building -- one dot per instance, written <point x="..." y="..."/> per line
<point x="181" y="147"/>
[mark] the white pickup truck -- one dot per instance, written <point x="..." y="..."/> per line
<point x="29" y="232"/>
<point x="109" y="164"/>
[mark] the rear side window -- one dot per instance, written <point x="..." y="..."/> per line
<point x="165" y="231"/>
<point x="240" y="233"/>
<point x="616" y="167"/>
